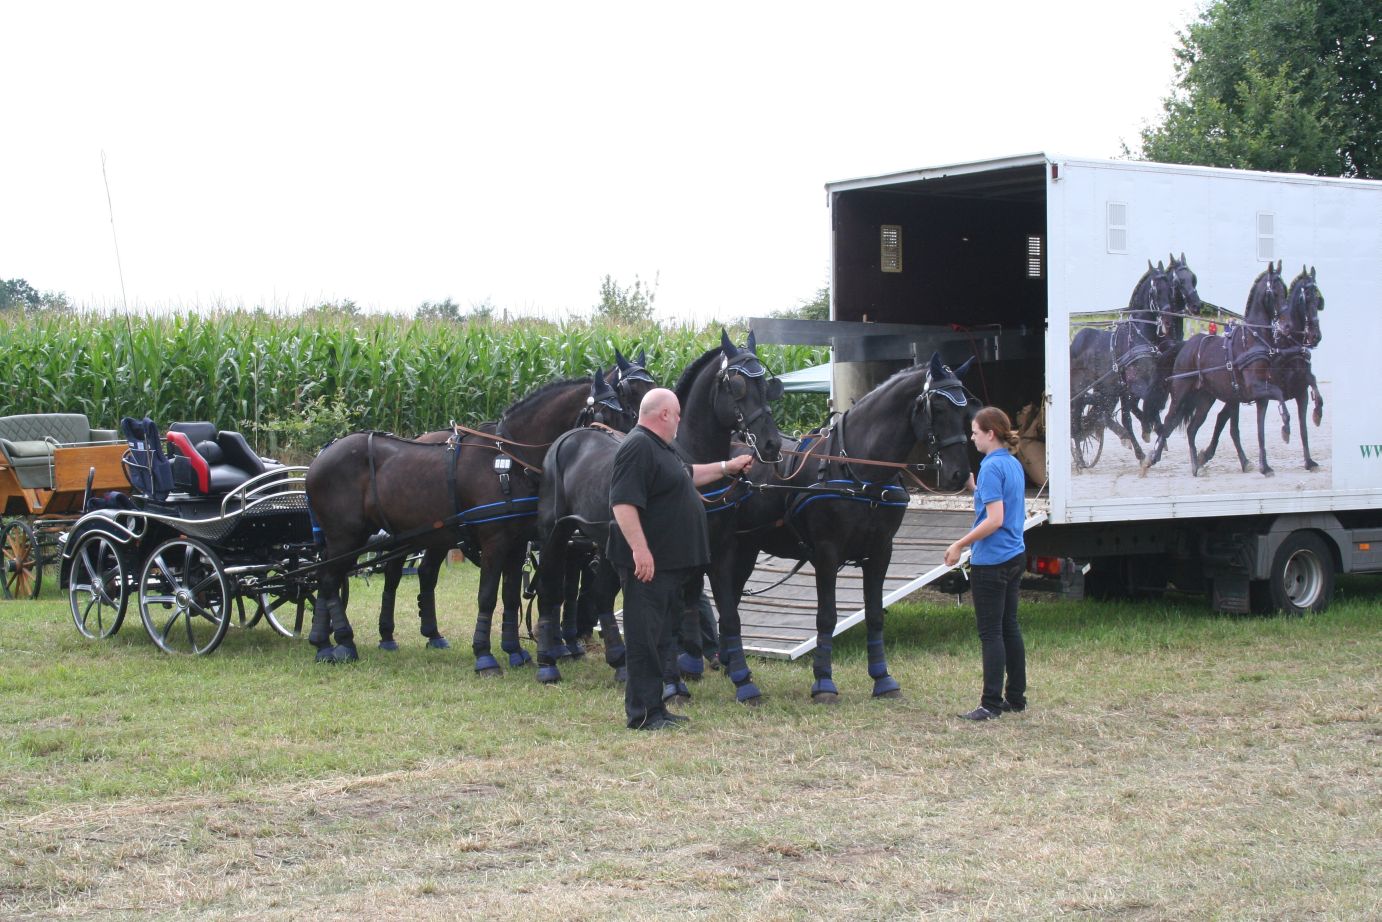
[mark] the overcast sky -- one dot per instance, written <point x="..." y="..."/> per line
<point x="282" y="154"/>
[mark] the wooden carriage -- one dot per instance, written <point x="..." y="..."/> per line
<point x="49" y="464"/>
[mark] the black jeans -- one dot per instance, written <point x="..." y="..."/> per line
<point x="652" y="614"/>
<point x="995" y="610"/>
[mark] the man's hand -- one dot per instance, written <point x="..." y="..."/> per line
<point x="643" y="565"/>
<point x="736" y="466"/>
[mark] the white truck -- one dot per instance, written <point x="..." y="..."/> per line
<point x="1009" y="259"/>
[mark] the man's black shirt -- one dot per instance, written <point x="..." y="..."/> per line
<point x="651" y="475"/>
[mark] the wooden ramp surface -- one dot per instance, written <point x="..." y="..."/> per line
<point x="782" y="621"/>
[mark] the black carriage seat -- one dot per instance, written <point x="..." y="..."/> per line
<point x="207" y="462"/>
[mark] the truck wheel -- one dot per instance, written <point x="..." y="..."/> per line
<point x="1302" y="576"/>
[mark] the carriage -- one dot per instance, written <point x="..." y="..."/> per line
<point x="212" y="535"/>
<point x="49" y="464"/>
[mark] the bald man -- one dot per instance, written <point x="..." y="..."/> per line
<point x="658" y="546"/>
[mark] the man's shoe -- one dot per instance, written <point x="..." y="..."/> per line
<point x="981" y="713"/>
<point x="1014" y="708"/>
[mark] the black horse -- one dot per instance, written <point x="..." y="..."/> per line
<point x="830" y="506"/>
<point x="1295" y="332"/>
<point x="1185" y="301"/>
<point x="1120" y="367"/>
<point x="1235" y="368"/>
<point x="723" y="393"/>
<point x="613" y="400"/>
<point x="475" y="490"/>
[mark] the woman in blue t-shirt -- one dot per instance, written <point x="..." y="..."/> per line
<point x="996" y="563"/>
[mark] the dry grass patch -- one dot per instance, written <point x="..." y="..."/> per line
<point x="1174" y="765"/>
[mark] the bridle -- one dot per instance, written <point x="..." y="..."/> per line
<point x="746" y="366"/>
<point x="952" y="390"/>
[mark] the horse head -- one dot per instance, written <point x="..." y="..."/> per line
<point x="631" y="379"/>
<point x="941" y="416"/>
<point x="1305" y="301"/>
<point x="1185" y="296"/>
<point x="1151" y="305"/>
<point x="743" y="393"/>
<point x="605" y="407"/>
<point x="1267" y="298"/>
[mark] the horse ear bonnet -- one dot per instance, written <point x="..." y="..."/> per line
<point x="727" y="347"/>
<point x="619" y="360"/>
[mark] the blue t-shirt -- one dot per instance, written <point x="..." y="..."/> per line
<point x="1000" y="477"/>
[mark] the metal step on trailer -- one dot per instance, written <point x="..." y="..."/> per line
<point x="781" y="623"/>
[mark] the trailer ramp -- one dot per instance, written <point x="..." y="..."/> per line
<point x="781" y="623"/>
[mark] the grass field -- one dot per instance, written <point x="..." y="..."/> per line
<point x="1174" y="764"/>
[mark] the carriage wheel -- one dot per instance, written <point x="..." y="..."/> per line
<point x="184" y="597"/>
<point x="1088" y="439"/>
<point x="291" y="615"/>
<point x="98" y="588"/>
<point x="240" y="618"/>
<point x="23" y="561"/>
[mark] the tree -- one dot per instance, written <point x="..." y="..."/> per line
<point x="630" y="305"/>
<point x="439" y="310"/>
<point x="815" y="308"/>
<point x="1276" y="85"/>
<point x="19" y="295"/>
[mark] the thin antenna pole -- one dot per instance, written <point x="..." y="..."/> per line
<point x="111" y="208"/>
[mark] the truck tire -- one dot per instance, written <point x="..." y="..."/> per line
<point x="1302" y="577"/>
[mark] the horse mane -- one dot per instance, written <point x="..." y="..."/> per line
<point x="542" y="392"/>
<point x="683" y="388"/>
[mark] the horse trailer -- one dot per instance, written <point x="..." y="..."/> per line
<point x="1109" y="296"/>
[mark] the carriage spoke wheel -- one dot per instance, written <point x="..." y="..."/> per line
<point x="98" y="589"/>
<point x="244" y="617"/>
<point x="1089" y="439"/>
<point x="23" y="561"/>
<point x="185" y="600"/>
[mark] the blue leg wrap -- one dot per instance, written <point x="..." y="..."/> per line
<point x="438" y="643"/>
<point x="560" y="651"/>
<point x="575" y="649"/>
<point x="691" y="666"/>
<point x="885" y="685"/>
<point x="517" y="655"/>
<point x="737" y="669"/>
<point x="389" y="646"/>
<point x="548" y="675"/>
<point x="674" y="689"/>
<point x="485" y="662"/>
<point x="825" y="686"/>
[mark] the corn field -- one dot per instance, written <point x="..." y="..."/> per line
<point x="289" y="382"/>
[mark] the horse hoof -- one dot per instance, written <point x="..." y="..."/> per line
<point x="388" y="646"/>
<point x="344" y="653"/>
<point x="520" y="658"/>
<point x="438" y="643"/>
<point x="487" y="665"/>
<point x="749" y="694"/>
<point x="548" y="675"/>
<point x="1312" y="467"/>
<point x="575" y="650"/>
<point x="755" y="701"/>
<point x="493" y="672"/>
<point x="891" y="694"/>
<point x="825" y="698"/>
<point x="1268" y="472"/>
<point x="621" y="675"/>
<point x="324" y="655"/>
